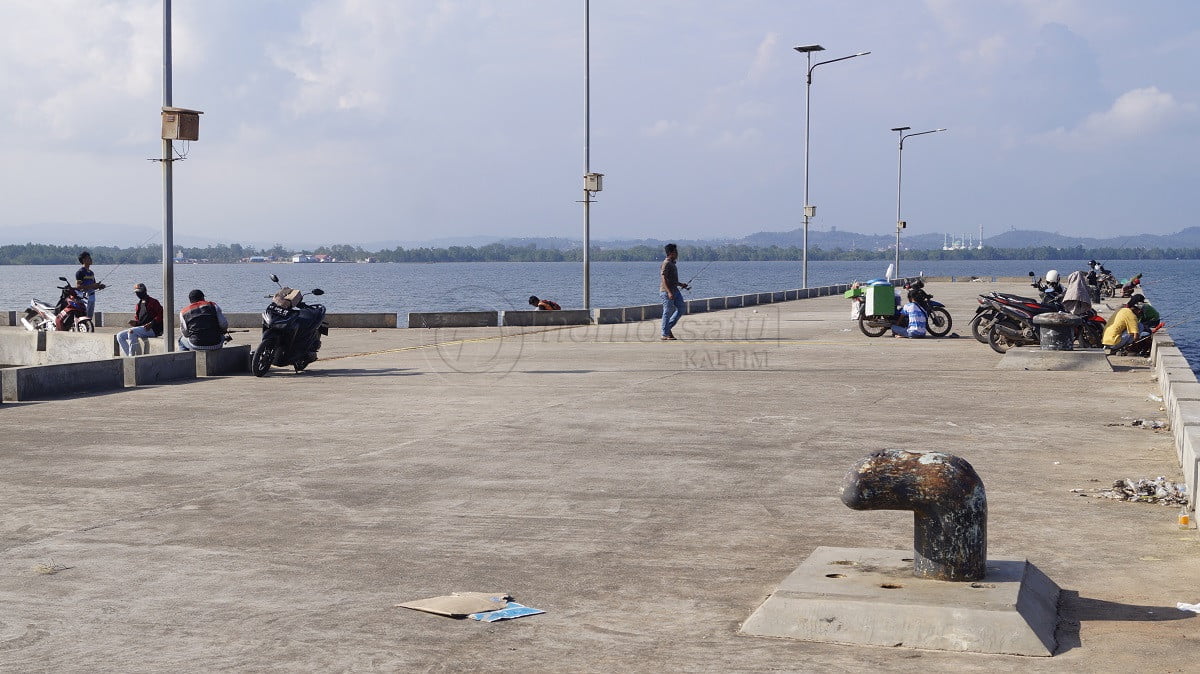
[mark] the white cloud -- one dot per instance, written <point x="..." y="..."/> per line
<point x="764" y="58"/>
<point x="659" y="128"/>
<point x="1136" y="113"/>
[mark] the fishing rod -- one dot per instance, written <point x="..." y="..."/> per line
<point x="128" y="257"/>
<point x="693" y="278"/>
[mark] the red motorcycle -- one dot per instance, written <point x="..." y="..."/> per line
<point x="68" y="314"/>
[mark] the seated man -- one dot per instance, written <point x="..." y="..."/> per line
<point x="543" y="305"/>
<point x="202" y="324"/>
<point x="1123" y="327"/>
<point x="916" y="319"/>
<point x="147" y="322"/>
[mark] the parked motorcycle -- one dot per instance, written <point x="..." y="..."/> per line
<point x="987" y="311"/>
<point x="1011" y="320"/>
<point x="937" y="318"/>
<point x="68" y="314"/>
<point x="1104" y="279"/>
<point x="291" y="331"/>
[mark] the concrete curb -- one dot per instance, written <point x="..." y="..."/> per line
<point x="1181" y="399"/>
<point x="159" y="368"/>
<point x="37" y="382"/>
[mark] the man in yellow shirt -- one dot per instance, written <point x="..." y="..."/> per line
<point x="1122" y="328"/>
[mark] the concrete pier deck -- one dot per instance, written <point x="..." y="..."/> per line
<point x="646" y="495"/>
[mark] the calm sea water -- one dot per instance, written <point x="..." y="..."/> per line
<point x="401" y="288"/>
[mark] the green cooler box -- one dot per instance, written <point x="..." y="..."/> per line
<point x="881" y="300"/>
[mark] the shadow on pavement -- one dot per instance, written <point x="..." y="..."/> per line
<point x="1075" y="610"/>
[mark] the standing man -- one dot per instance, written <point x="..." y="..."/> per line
<point x="147" y="322"/>
<point x="202" y="324"/>
<point x="85" y="282"/>
<point x="669" y="285"/>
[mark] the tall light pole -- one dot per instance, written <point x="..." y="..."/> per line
<point x="592" y="182"/>
<point x="809" y="209"/>
<point x="168" y="194"/>
<point x="900" y="224"/>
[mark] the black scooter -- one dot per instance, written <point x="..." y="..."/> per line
<point x="291" y="331"/>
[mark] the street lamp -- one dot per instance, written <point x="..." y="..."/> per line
<point x="809" y="209"/>
<point x="900" y="224"/>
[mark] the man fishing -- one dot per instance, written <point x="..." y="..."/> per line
<point x="669" y="289"/>
<point x="85" y="282"/>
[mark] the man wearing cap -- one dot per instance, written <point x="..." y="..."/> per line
<point x="85" y="282"/>
<point x="202" y="324"/>
<point x="147" y="322"/>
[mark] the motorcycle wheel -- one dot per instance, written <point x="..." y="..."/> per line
<point x="938" y="322"/>
<point x="1090" y="336"/>
<point x="83" y="326"/>
<point x="980" y="325"/>
<point x="868" y="329"/>
<point x="1000" y="342"/>
<point x="263" y="357"/>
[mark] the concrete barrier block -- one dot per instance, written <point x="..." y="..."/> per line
<point x="1187" y="414"/>
<point x="1176" y="392"/>
<point x="735" y="301"/>
<point x="159" y="368"/>
<point x="791" y="295"/>
<point x="545" y="318"/>
<point x="651" y="312"/>
<point x="779" y="296"/>
<point x="10" y="318"/>
<point x="1175" y="371"/>
<point x="75" y="347"/>
<point x="454" y="319"/>
<point x="610" y="316"/>
<point x="696" y="306"/>
<point x="60" y="380"/>
<point x="1158" y="341"/>
<point x="359" y="320"/>
<point x="224" y="361"/>
<point x="1189" y="462"/>
<point x="766" y="298"/>
<point x="717" y="303"/>
<point x="21" y="348"/>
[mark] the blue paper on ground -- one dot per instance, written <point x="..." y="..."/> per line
<point x="510" y="611"/>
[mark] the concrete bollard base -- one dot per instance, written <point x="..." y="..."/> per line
<point x="869" y="596"/>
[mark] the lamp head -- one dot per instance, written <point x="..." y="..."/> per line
<point x="804" y="49"/>
<point x="902" y="128"/>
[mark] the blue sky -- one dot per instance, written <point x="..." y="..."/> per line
<point x="403" y="120"/>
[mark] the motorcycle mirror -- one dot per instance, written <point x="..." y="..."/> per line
<point x="275" y="279"/>
<point x="62" y="278"/>
<point x="1031" y="273"/>
<point x="317" y="291"/>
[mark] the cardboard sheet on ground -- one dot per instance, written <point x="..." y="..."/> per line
<point x="460" y="604"/>
<point x="510" y="611"/>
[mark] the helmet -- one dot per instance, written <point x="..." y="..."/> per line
<point x="1052" y="276"/>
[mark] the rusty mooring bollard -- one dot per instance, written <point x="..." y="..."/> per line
<point x="1056" y="330"/>
<point x="948" y="503"/>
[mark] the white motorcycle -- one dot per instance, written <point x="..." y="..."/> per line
<point x="70" y="314"/>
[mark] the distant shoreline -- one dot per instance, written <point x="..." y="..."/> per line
<point x="35" y="254"/>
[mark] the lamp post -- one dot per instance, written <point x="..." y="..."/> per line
<point x="809" y="209"/>
<point x="900" y="224"/>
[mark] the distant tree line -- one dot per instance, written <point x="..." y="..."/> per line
<point x="34" y="253"/>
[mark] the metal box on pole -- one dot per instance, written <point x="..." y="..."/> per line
<point x="180" y="124"/>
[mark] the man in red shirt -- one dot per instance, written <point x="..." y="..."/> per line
<point x="147" y="322"/>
